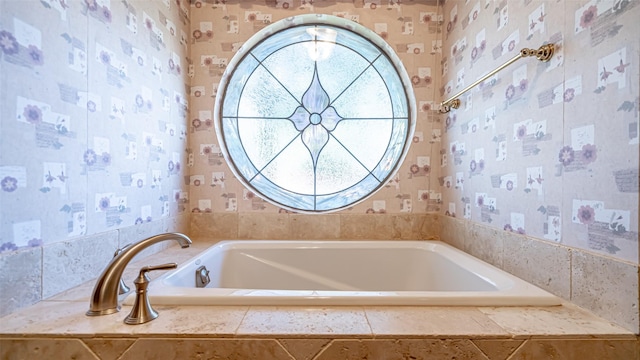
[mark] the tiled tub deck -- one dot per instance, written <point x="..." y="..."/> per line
<point x="58" y="328"/>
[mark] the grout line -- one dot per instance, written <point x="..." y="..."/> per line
<point x="323" y="349"/>
<point x="364" y="311"/>
<point x="511" y="356"/>
<point x="235" y="332"/>
<point x="570" y="275"/>
<point x="284" y="348"/>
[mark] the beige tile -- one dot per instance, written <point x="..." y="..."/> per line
<point x="22" y="285"/>
<point x="317" y="227"/>
<point x="71" y="263"/>
<point x="62" y="317"/>
<point x="312" y="322"/>
<point x="44" y="349"/>
<point x="607" y="287"/>
<point x="601" y="349"/>
<point x="216" y="226"/>
<point x="190" y="321"/>
<point x="264" y="226"/>
<point x="304" y="349"/>
<point x="429" y="226"/>
<point x="498" y="349"/>
<point x="58" y="317"/>
<point x="411" y="227"/>
<point x="539" y="262"/>
<point x="486" y="243"/>
<point x="170" y="349"/>
<point x="416" y="226"/>
<point x="357" y="226"/>
<point x="567" y="320"/>
<point x="202" y="225"/>
<point x="108" y="349"/>
<point x="384" y="228"/>
<point x="416" y="349"/>
<point x="431" y="321"/>
<point x="454" y="231"/>
<point x="389" y="227"/>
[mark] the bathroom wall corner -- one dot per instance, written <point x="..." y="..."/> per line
<point x="428" y="226"/>
<point x="607" y="287"/>
<point x="486" y="243"/>
<point x="20" y="279"/>
<point x="454" y="231"/>
<point x="539" y="262"/>
<point x="180" y="223"/>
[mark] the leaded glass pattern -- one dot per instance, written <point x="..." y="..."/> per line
<point x="314" y="113"/>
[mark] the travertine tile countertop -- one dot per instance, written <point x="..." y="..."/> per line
<point x="59" y="326"/>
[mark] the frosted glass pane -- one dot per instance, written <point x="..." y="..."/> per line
<point x="358" y="44"/>
<point x="367" y="140"/>
<point x="263" y="139"/>
<point x="280" y="40"/>
<point x="292" y="67"/>
<point x="282" y="196"/>
<point x="394" y="151"/>
<point x="292" y="169"/>
<point x="348" y="196"/>
<point x="337" y="169"/>
<point x="344" y="67"/>
<point x="396" y="89"/>
<point x="264" y="96"/>
<point x="367" y="97"/>
<point x="235" y="149"/>
<point x="235" y="85"/>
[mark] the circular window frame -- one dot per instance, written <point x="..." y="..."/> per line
<point x="312" y="20"/>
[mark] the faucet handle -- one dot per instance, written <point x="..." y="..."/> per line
<point x="167" y="266"/>
<point x="142" y="311"/>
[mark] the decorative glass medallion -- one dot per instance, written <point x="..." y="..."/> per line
<point x="314" y="113"/>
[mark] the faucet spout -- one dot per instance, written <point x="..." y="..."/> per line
<point x="104" y="299"/>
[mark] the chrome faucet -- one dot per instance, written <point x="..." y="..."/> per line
<point x="104" y="299"/>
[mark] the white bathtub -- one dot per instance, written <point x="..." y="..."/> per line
<point x="343" y="273"/>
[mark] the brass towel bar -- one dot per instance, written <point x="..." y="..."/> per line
<point x="544" y="53"/>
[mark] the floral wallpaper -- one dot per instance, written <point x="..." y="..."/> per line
<point x="107" y="109"/>
<point x="219" y="28"/>
<point x="94" y="107"/>
<point x="550" y="149"/>
<point x="106" y="117"/>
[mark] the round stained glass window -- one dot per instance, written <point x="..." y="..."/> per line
<point x="314" y="113"/>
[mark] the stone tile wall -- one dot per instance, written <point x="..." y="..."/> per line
<point x="604" y="285"/>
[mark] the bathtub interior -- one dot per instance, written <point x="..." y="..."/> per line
<point x="359" y="272"/>
<point x="349" y="269"/>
